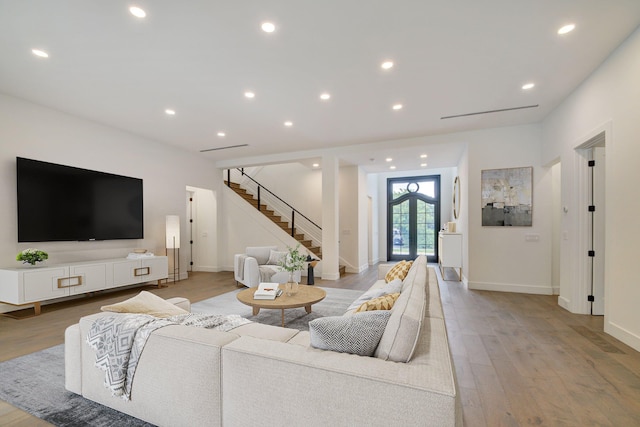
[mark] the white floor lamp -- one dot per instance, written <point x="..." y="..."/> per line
<point x="173" y="242"/>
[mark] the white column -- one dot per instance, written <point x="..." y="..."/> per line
<point x="330" y="221"/>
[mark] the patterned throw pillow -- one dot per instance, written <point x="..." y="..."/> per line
<point x="356" y="334"/>
<point x="398" y="271"/>
<point x="385" y="302"/>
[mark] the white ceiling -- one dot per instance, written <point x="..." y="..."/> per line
<point x="198" y="57"/>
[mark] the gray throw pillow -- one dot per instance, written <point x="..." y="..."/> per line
<point x="358" y="334"/>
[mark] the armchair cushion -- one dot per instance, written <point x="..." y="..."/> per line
<point x="260" y="253"/>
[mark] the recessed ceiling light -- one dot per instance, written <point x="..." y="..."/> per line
<point x="221" y="134"/>
<point x="566" y="29"/>
<point x="170" y="112"/>
<point x="40" y="53"/>
<point x="397" y="107"/>
<point x="424" y="165"/>
<point x="389" y="159"/>
<point x="316" y="165"/>
<point x="528" y="86"/>
<point x="423" y="156"/>
<point x="268" y="27"/>
<point x="249" y="95"/>
<point x="288" y="124"/>
<point x="392" y="167"/>
<point x="387" y="65"/>
<point x="137" y="12"/>
<point x="324" y="96"/>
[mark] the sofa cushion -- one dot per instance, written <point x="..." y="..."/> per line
<point x="145" y="303"/>
<point x="393" y="287"/>
<point x="267" y="332"/>
<point x="383" y="302"/>
<point x="357" y="334"/>
<point x="260" y="253"/>
<point x="399" y="339"/>
<point x="369" y="295"/>
<point x="398" y="271"/>
<point x="275" y="257"/>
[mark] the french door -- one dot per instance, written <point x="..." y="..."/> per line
<point x="413" y="215"/>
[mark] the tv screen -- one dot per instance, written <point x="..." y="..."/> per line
<point x="64" y="203"/>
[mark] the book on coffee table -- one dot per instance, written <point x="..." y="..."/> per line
<point x="266" y="291"/>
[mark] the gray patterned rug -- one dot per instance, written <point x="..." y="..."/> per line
<point x="35" y="382"/>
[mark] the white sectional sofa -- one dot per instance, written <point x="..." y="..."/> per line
<point x="266" y="375"/>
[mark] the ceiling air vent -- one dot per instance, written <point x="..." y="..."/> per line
<point x="489" y="111"/>
<point x="224" y="148"/>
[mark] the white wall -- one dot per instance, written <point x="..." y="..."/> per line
<point x="31" y="131"/>
<point x="609" y="98"/>
<point x="302" y="187"/>
<point x="462" y="224"/>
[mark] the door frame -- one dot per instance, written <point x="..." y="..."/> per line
<point x="415" y="196"/>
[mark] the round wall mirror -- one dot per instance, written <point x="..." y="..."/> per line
<point x="456" y="197"/>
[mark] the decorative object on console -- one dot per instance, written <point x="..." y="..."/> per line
<point x="173" y="243"/>
<point x="32" y="256"/>
<point x="292" y="262"/>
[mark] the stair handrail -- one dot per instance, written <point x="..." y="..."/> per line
<point x="293" y="210"/>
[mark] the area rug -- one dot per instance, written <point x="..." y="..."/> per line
<point x="334" y="304"/>
<point x="35" y="382"/>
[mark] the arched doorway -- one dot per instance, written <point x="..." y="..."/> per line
<point x="413" y="215"/>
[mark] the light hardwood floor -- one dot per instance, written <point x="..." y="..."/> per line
<point x="519" y="359"/>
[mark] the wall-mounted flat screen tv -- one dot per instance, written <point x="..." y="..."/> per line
<point x="64" y="203"/>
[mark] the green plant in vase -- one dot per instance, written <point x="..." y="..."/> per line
<point x="32" y="256"/>
<point x="292" y="262"/>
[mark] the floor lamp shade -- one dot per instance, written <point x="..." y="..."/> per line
<point x="173" y="232"/>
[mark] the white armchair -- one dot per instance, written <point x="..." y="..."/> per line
<point x="260" y="264"/>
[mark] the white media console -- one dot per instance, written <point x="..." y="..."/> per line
<point x="32" y="285"/>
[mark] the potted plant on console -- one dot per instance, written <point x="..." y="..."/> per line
<point x="32" y="256"/>
<point x="292" y="262"/>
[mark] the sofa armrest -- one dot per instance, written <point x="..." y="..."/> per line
<point x="73" y="359"/>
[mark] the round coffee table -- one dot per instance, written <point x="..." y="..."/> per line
<point x="306" y="297"/>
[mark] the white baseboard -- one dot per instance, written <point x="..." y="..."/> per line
<point x="564" y="303"/>
<point x="335" y="276"/>
<point x="506" y="287"/>
<point x="627" y="337"/>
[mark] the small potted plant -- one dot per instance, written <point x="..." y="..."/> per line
<point x="292" y="262"/>
<point x="32" y="256"/>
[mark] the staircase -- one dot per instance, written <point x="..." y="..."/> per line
<point x="277" y="219"/>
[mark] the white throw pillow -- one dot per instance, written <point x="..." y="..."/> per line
<point x="358" y="334"/>
<point x="275" y="257"/>
<point x="393" y="287"/>
<point x="370" y="294"/>
<point x="146" y="303"/>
